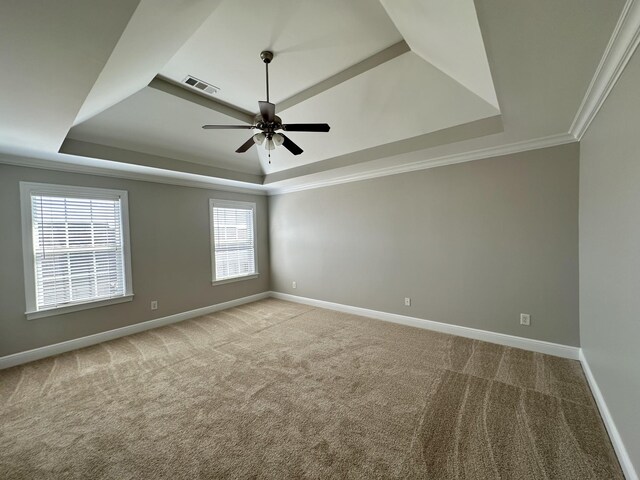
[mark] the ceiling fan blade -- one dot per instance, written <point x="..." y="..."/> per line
<point x="268" y="111"/>
<point x="220" y="127"/>
<point x="292" y="147"/>
<point x="245" y="146"/>
<point x="306" y="127"/>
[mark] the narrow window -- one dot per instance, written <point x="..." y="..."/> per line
<point x="233" y="242"/>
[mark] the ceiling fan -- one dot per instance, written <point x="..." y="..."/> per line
<point x="270" y="125"/>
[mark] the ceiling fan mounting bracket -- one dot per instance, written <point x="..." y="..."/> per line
<point x="266" y="56"/>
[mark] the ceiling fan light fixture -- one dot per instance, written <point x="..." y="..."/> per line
<point x="259" y="138"/>
<point x="270" y="144"/>
<point x="278" y="139"/>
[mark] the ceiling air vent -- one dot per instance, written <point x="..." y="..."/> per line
<point x="200" y="85"/>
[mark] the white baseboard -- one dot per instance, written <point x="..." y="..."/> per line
<point x="614" y="435"/>
<point x="57" y="348"/>
<point x="559" y="350"/>
<point x="540" y="346"/>
<point x="574" y="353"/>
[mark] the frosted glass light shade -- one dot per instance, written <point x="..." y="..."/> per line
<point x="259" y="138"/>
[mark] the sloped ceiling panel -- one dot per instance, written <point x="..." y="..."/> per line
<point x="52" y="53"/>
<point x="399" y="99"/>
<point x="154" y="122"/>
<point x="156" y="31"/>
<point x="312" y="40"/>
<point x="446" y="34"/>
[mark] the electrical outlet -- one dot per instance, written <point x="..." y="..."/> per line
<point x="525" y="319"/>
<point x="154" y="304"/>
<point x="407" y="301"/>
<point x="294" y="284"/>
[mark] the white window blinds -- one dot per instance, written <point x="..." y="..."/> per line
<point x="233" y="239"/>
<point x="78" y="249"/>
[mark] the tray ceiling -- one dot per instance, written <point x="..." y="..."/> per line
<point x="398" y="81"/>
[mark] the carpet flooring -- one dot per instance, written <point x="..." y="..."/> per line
<point x="275" y="389"/>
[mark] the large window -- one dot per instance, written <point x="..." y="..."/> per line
<point x="233" y="242"/>
<point x="76" y="248"/>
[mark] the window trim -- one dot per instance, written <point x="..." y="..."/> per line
<point x="27" y="189"/>
<point x="214" y="202"/>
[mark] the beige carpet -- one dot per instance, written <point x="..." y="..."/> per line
<point x="279" y="390"/>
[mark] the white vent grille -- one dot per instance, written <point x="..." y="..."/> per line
<point x="198" y="84"/>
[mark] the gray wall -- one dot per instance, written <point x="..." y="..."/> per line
<point x="472" y="244"/>
<point x="610" y="254"/>
<point x="170" y="255"/>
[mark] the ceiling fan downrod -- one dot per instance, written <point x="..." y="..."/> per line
<point x="266" y="57"/>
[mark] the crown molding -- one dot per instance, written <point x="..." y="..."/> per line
<point x="158" y="175"/>
<point x="622" y="44"/>
<point x="134" y="172"/>
<point x="507" y="149"/>
<point x="80" y="151"/>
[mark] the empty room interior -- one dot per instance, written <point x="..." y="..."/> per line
<point x="319" y="239"/>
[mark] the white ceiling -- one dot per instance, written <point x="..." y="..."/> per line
<point x="155" y="32"/>
<point x="425" y="99"/>
<point x="447" y="35"/>
<point x="312" y="40"/>
<point x="50" y="59"/>
<point x="480" y="74"/>
<point x="154" y="122"/>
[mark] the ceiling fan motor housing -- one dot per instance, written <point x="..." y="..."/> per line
<point x="268" y="127"/>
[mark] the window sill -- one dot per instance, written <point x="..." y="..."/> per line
<point x="77" y="306"/>
<point x="235" y="279"/>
